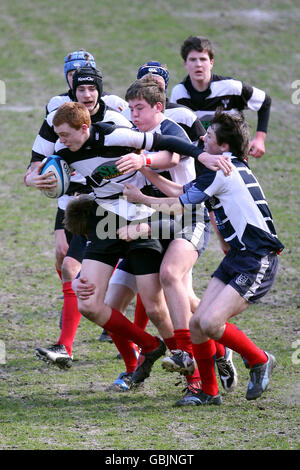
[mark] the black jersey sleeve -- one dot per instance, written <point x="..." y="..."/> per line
<point x="175" y="144"/>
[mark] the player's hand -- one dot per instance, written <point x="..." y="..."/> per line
<point x="83" y="288"/>
<point x="216" y="162"/>
<point x="35" y="179"/>
<point x="130" y="162"/>
<point x="132" y="193"/>
<point x="133" y="231"/>
<point x="257" y="146"/>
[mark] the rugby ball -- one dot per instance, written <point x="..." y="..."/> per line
<point x="62" y="173"/>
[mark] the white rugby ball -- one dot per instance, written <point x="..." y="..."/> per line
<point x="62" y="173"/>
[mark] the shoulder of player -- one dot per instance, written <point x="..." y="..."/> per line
<point x="180" y="113"/>
<point x="56" y="101"/>
<point x="170" y="127"/>
<point x="222" y="85"/>
<point x="179" y="91"/>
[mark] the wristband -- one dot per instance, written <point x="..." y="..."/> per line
<point x="147" y="160"/>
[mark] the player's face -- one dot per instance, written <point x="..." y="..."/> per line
<point x="88" y="95"/>
<point x="70" y="137"/>
<point x="210" y="143"/>
<point x="198" y="66"/>
<point x="143" y="115"/>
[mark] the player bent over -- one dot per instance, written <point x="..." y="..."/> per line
<point x="249" y="268"/>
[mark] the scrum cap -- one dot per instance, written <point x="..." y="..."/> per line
<point x="87" y="76"/>
<point x="156" y="68"/>
<point x="77" y="59"/>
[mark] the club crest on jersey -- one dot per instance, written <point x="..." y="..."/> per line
<point x="225" y="103"/>
<point x="106" y="171"/>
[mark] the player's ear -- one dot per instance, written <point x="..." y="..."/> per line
<point x="85" y="128"/>
<point x="159" y="106"/>
<point x="224" y="147"/>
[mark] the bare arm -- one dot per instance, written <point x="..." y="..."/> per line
<point x="161" y="160"/>
<point x="168" y="205"/>
<point x="167" y="187"/>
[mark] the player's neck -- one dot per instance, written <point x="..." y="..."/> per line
<point x="201" y="85"/>
<point x="158" y="118"/>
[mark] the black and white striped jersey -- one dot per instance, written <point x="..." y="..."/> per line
<point x="96" y="161"/>
<point x="241" y="210"/>
<point x="44" y="146"/>
<point x="227" y="93"/>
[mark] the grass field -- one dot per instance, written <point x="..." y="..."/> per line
<point x="42" y="408"/>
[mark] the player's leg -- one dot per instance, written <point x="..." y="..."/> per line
<point x="60" y="353"/>
<point x="121" y="291"/>
<point x="175" y="277"/>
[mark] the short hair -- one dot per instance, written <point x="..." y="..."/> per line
<point x="197" y="43"/>
<point x="148" y="89"/>
<point x="77" y="214"/>
<point x="233" y="130"/>
<point x="74" y="114"/>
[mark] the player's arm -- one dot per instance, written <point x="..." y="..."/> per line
<point x="224" y="245"/>
<point x="160" y="160"/>
<point x="166" y="186"/>
<point x="257" y="100"/>
<point x="169" y="205"/>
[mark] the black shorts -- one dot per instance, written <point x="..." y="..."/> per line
<point x="76" y="243"/>
<point x="144" y="255"/>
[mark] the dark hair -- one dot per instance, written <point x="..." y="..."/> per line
<point x="148" y="89"/>
<point x="196" y="43"/>
<point x="77" y="214"/>
<point x="233" y="130"/>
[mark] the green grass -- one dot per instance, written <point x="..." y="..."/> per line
<point x="45" y="408"/>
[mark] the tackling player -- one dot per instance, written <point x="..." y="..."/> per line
<point x="249" y="268"/>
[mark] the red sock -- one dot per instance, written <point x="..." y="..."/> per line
<point x="140" y="315"/>
<point x="236" y="340"/>
<point x="171" y="343"/>
<point x="183" y="342"/>
<point x="128" y="351"/>
<point x="58" y="272"/>
<point x="121" y="326"/>
<point x="204" y="354"/>
<point x="70" y="317"/>
<point x="220" y="350"/>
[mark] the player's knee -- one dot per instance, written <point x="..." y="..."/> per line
<point x="209" y="326"/>
<point x="70" y="268"/>
<point x="155" y="311"/>
<point x="87" y="309"/>
<point x="194" y="324"/>
<point x="168" y="276"/>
